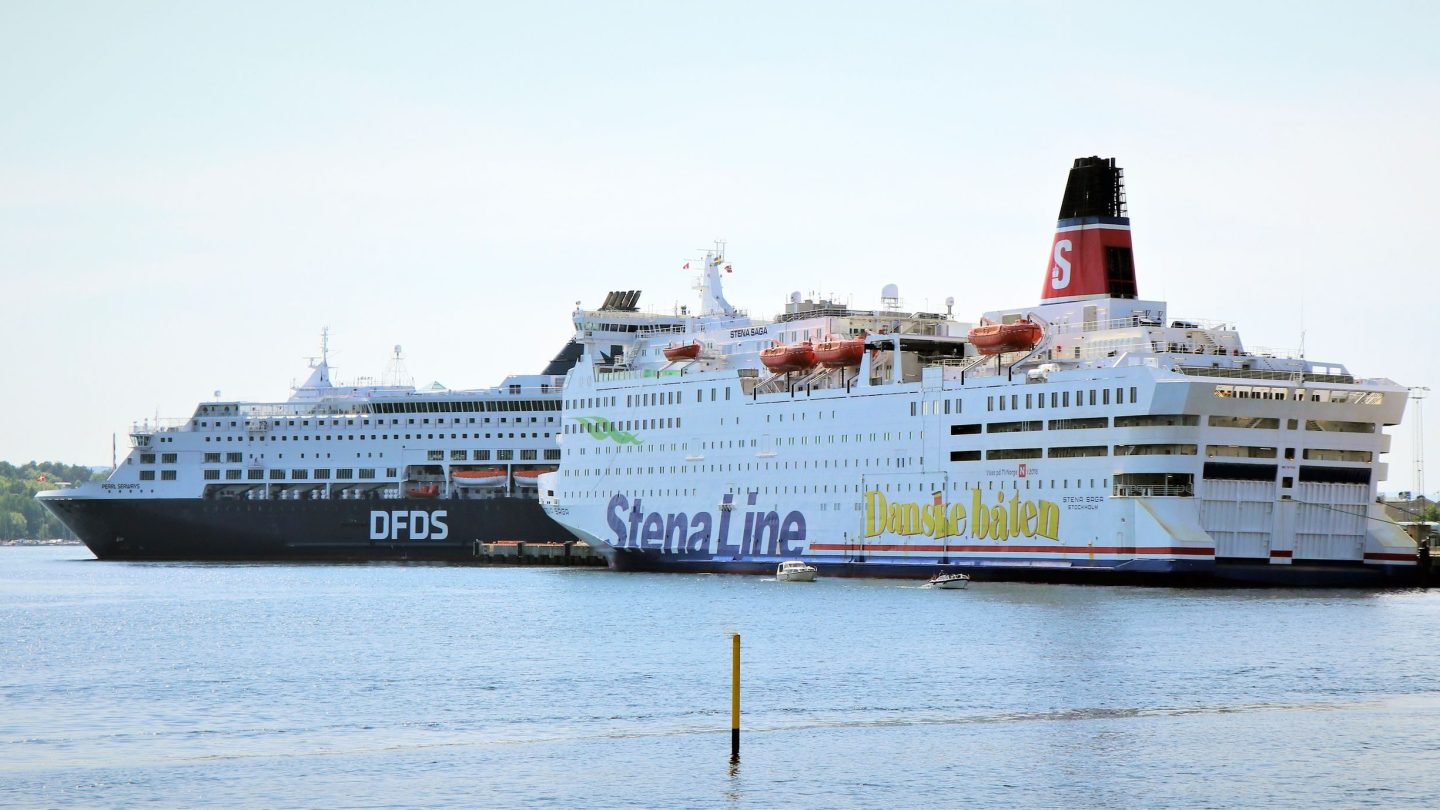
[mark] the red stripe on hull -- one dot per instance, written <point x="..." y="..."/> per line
<point x="1376" y="555"/>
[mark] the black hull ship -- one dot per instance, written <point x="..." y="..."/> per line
<point x="372" y="471"/>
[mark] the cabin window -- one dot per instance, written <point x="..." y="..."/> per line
<point x="147" y="475"/>
<point x="1008" y="453"/>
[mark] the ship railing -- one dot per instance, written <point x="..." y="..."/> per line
<point x="1154" y="491"/>
<point x="152" y="426"/>
<point x="1138" y="321"/>
<point x="1268" y="374"/>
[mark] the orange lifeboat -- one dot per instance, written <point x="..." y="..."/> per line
<point x="782" y="359"/>
<point x="487" y="477"/>
<point x="998" y="338"/>
<point x="530" y="478"/>
<point x="424" y="491"/>
<point x="688" y="351"/>
<point x="834" y="352"/>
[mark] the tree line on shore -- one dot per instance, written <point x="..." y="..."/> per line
<point x="21" y="516"/>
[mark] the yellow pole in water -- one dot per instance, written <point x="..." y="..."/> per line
<point x="735" y="695"/>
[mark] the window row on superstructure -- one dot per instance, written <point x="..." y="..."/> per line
<point x="380" y="437"/>
<point x="365" y="422"/>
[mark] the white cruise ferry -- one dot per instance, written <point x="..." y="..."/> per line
<point x="350" y="472"/>
<point x="1089" y="437"/>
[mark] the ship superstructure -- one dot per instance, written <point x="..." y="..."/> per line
<point x="1091" y="436"/>
<point x="375" y="470"/>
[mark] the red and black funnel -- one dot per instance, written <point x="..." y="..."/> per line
<point x="1091" y="256"/>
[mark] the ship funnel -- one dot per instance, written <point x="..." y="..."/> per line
<point x="1091" y="256"/>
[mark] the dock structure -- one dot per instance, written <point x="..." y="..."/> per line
<point x="519" y="552"/>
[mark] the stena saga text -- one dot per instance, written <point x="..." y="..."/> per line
<point x="373" y="471"/>
<point x="1090" y="437"/>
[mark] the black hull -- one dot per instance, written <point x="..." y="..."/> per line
<point x="339" y="530"/>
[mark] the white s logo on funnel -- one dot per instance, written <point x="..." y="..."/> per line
<point x="1060" y="273"/>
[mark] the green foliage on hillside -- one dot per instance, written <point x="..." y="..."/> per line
<point x="21" y="516"/>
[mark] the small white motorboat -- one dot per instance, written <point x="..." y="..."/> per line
<point x="949" y="581"/>
<point x="795" y="571"/>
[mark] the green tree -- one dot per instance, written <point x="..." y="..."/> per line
<point x="23" y="517"/>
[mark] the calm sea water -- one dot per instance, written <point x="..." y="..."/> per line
<point x="177" y="685"/>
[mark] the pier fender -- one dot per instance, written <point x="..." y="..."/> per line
<point x="1170" y="523"/>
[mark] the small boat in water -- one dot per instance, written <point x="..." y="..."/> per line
<point x="998" y="338"/>
<point x="795" y="571"/>
<point x="782" y="359"/>
<point x="949" y="581"/>
<point x="687" y="351"/>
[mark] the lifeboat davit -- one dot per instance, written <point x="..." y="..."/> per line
<point x="688" y="351"/>
<point x="998" y="338"/>
<point x="782" y="359"/>
<point x="475" y="479"/>
<point x="424" y="491"/>
<point x="836" y="352"/>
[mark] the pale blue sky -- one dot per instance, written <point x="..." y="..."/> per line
<point x="189" y="191"/>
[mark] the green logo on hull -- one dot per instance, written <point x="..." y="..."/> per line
<point x="601" y="429"/>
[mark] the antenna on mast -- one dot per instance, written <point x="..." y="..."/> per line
<point x="1418" y="395"/>
<point x="1302" y="326"/>
<point x="396" y="374"/>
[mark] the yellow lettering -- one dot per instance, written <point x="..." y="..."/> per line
<point x="1049" y="525"/>
<point x="912" y="519"/>
<point x="999" y="525"/>
<point x="927" y="521"/>
<point x="1026" y="523"/>
<point x="980" y="526"/>
<point x="874" y="513"/>
<point x="957" y="519"/>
